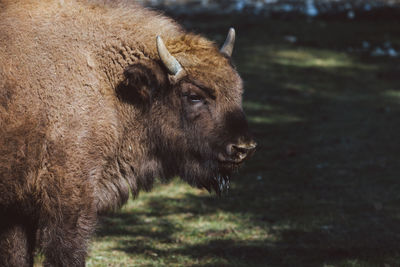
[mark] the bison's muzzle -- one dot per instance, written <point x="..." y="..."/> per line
<point x="238" y="152"/>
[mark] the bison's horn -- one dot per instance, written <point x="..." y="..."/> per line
<point x="173" y="66"/>
<point x="227" y="48"/>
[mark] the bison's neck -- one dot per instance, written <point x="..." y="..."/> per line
<point x="116" y="46"/>
<point x="130" y="168"/>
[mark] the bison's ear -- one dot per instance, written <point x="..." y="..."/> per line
<point x="142" y="81"/>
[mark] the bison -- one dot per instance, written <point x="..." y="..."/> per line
<point x="97" y="99"/>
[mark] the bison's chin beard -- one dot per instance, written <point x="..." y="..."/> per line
<point x="209" y="174"/>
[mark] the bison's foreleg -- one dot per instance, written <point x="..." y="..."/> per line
<point x="65" y="240"/>
<point x="17" y="241"/>
<point x="66" y="221"/>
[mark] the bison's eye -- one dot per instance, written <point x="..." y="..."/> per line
<point x="194" y="98"/>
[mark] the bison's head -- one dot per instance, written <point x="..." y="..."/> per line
<point x="197" y="128"/>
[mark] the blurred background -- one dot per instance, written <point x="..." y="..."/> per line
<point x="322" y="95"/>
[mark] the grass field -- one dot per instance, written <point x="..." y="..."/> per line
<point x="323" y="188"/>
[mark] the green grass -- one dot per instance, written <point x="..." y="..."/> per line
<point x="323" y="188"/>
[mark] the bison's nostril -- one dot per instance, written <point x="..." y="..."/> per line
<point x="245" y="148"/>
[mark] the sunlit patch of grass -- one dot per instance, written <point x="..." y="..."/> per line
<point x="164" y="207"/>
<point x="281" y="118"/>
<point x="393" y="95"/>
<point x="257" y="106"/>
<point x="311" y="58"/>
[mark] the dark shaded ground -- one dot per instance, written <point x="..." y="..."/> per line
<point x="324" y="183"/>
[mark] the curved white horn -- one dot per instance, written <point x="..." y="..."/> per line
<point x="173" y="66"/>
<point x="227" y="48"/>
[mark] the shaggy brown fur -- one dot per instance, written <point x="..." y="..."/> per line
<point x="89" y="113"/>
